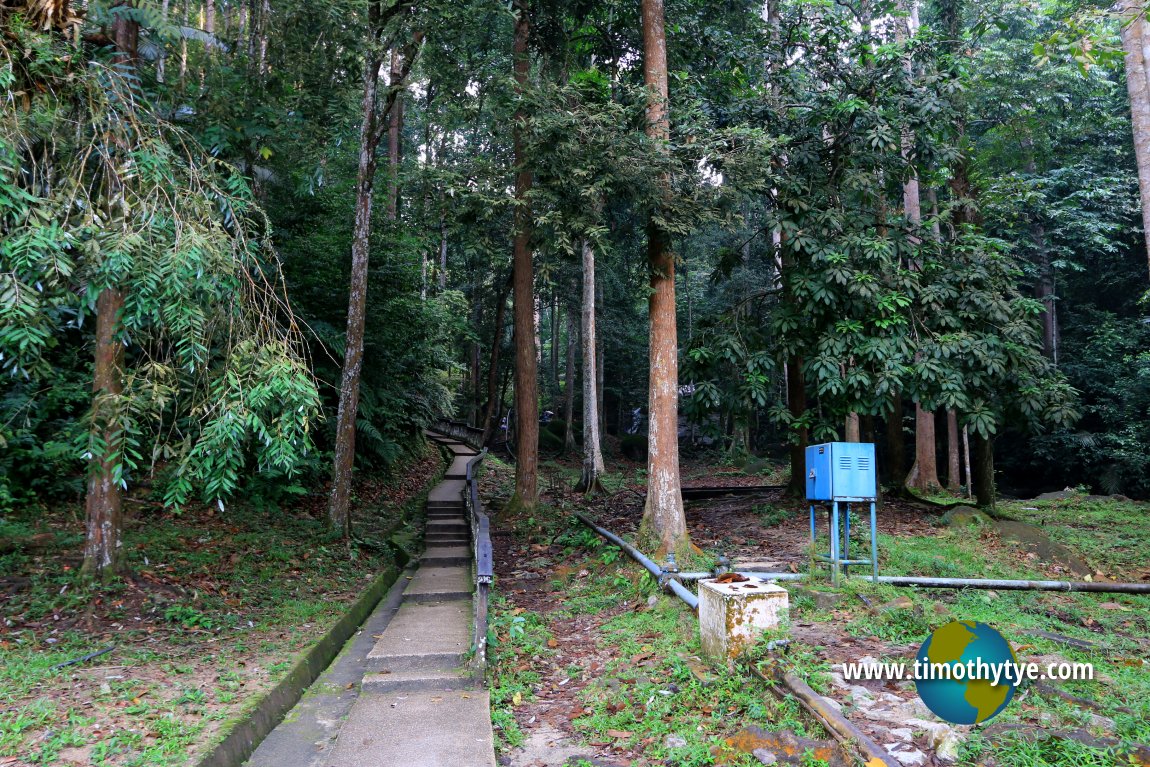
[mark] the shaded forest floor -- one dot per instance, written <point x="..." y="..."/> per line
<point x="594" y="667"/>
<point x="213" y="609"/>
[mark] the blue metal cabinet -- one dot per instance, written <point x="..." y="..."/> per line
<point x="841" y="471"/>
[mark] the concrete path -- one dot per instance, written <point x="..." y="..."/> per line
<point x="417" y="703"/>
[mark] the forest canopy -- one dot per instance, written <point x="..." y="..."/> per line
<point x="250" y="247"/>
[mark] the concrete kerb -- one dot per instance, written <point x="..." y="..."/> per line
<point x="269" y="710"/>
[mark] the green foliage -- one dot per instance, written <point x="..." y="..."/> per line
<point x="98" y="194"/>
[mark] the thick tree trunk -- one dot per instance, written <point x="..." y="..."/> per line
<point x="663" y="516"/>
<point x="569" y="386"/>
<point x="494" y="401"/>
<point x="924" y="472"/>
<point x="953" y="480"/>
<point x="1134" y="34"/>
<point x="797" y="407"/>
<point x="983" y="470"/>
<point x="851" y="428"/>
<point x="370" y="135"/>
<point x="523" y="288"/>
<point x="592" y="453"/>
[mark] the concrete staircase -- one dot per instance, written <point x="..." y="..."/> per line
<point x="420" y="705"/>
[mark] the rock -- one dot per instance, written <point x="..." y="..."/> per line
<point x="1036" y="542"/>
<point x="902" y="733"/>
<point x="1104" y="723"/>
<point x="824" y="600"/>
<point x="964" y="516"/>
<point x="674" y="741"/>
<point x="81" y="755"/>
<point x="699" y="671"/>
<point x="1058" y="495"/>
<point x="652" y="600"/>
<point x="941" y="737"/>
<point x="906" y="755"/>
<point x="764" y="756"/>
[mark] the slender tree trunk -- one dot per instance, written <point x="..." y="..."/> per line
<point x="896" y="442"/>
<point x="526" y="360"/>
<point x="983" y="470"/>
<point x="442" y="249"/>
<point x="393" y="137"/>
<point x="953" y="480"/>
<point x="592" y="453"/>
<point x="663" y="515"/>
<point x="494" y="401"/>
<point x="1134" y="34"/>
<point x="966" y="461"/>
<point x="104" y="503"/>
<point x="569" y="386"/>
<point x="555" y="341"/>
<point x="339" y="506"/>
<point x="600" y="368"/>
<point x="104" y="500"/>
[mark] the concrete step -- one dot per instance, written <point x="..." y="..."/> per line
<point x="423" y="633"/>
<point x="447" y="526"/>
<point x="451" y="515"/>
<point x="420" y="729"/>
<point x="438" y="584"/>
<point x="421" y="681"/>
<point x="447" y="540"/>
<point x="438" y="556"/>
<point x="454" y="505"/>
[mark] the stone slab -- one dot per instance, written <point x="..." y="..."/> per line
<point x="436" y="556"/>
<point x="428" y="729"/>
<point x="436" y="628"/>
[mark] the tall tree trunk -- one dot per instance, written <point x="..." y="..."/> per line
<point x="953" y="480"/>
<point x="370" y="135"/>
<point x="983" y="470"/>
<point x="494" y="401"/>
<point x="394" y="133"/>
<point x="104" y="500"/>
<point x="797" y="407"/>
<point x="924" y="472"/>
<point x="600" y="368"/>
<point x="1134" y="34"/>
<point x="526" y="360"/>
<point x="555" y="341"/>
<point x="592" y="453"/>
<point x="663" y="516"/>
<point x="569" y="386"/>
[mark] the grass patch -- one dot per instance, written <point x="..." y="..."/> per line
<point x="212" y="611"/>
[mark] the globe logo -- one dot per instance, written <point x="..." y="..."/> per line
<point x="966" y="672"/>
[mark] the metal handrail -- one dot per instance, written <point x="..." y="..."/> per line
<point x="484" y="561"/>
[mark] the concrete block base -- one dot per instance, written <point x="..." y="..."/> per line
<point x="732" y="616"/>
